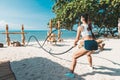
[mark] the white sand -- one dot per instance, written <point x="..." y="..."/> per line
<point x="33" y="63"/>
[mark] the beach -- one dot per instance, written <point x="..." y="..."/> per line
<point x="33" y="63"/>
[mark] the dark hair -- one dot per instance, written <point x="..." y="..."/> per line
<point x="85" y="16"/>
<point x="118" y="20"/>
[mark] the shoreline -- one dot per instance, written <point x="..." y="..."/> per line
<point x="41" y="35"/>
<point x="33" y="63"/>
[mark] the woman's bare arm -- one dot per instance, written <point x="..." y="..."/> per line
<point x="77" y="36"/>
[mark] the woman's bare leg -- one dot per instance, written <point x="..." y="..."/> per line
<point x="76" y="55"/>
<point x="90" y="57"/>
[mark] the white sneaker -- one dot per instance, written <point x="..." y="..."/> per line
<point x="91" y="69"/>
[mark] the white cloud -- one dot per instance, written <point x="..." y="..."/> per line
<point x="15" y="26"/>
<point x="10" y="25"/>
<point x="2" y="23"/>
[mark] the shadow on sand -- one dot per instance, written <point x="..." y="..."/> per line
<point x="102" y="70"/>
<point x="39" y="68"/>
<point x="105" y="49"/>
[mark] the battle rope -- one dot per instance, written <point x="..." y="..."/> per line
<point x="41" y="46"/>
<point x="44" y="40"/>
<point x="61" y="52"/>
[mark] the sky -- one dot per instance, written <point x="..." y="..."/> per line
<point x="33" y="14"/>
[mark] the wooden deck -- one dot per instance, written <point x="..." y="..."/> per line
<point x="6" y="72"/>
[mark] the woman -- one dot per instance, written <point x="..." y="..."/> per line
<point x="99" y="41"/>
<point x="89" y="45"/>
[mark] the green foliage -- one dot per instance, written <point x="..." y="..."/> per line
<point x="102" y="12"/>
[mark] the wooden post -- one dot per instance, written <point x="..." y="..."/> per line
<point x="50" y="26"/>
<point x="23" y="35"/>
<point x="7" y="36"/>
<point x="59" y="32"/>
<point x="50" y="30"/>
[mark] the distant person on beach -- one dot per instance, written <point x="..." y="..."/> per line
<point x="89" y="45"/>
<point x="118" y="27"/>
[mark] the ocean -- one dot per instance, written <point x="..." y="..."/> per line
<point x="40" y="34"/>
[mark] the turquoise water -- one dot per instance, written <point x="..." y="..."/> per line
<point x="40" y="34"/>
